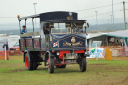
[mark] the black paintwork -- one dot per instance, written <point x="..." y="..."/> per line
<point x="59" y="15"/>
<point x="44" y="43"/>
<point x="62" y="39"/>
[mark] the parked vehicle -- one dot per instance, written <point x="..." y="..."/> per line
<point x="15" y="50"/>
<point x="12" y="40"/>
<point x="60" y="34"/>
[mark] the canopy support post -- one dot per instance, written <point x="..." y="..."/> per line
<point x="20" y="26"/>
<point x="25" y="25"/>
<point x="33" y="24"/>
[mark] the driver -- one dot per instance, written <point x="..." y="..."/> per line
<point x="23" y="29"/>
<point x="46" y="31"/>
<point x="46" y="28"/>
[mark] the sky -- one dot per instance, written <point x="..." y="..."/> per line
<point x="9" y="9"/>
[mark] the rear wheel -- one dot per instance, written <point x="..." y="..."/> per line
<point x="28" y="63"/>
<point x="82" y="64"/>
<point x="51" y="64"/>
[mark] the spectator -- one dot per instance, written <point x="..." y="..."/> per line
<point x="7" y="53"/>
<point x="123" y="51"/>
<point x="5" y="44"/>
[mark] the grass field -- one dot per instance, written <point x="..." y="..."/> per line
<point x="99" y="72"/>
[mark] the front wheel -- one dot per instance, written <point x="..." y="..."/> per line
<point x="51" y="64"/>
<point x="82" y="64"/>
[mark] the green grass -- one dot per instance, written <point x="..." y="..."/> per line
<point x="101" y="72"/>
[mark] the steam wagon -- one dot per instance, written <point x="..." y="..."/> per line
<point x="60" y="41"/>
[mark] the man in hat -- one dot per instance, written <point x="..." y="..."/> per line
<point x="123" y="51"/>
<point x="23" y="29"/>
<point x="7" y="53"/>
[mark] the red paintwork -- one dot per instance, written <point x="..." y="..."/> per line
<point x="59" y="63"/>
<point x="79" y="51"/>
<point x="26" y="62"/>
<point x="15" y="52"/>
<point x="61" y="56"/>
<point x="49" y="63"/>
<point x="61" y="53"/>
<point x="63" y="61"/>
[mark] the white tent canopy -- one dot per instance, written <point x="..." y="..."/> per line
<point x="121" y="33"/>
<point x="103" y="36"/>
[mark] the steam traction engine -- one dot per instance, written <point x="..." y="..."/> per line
<point x="61" y="39"/>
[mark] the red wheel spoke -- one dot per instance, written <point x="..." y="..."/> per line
<point x="49" y="63"/>
<point x="26" y="62"/>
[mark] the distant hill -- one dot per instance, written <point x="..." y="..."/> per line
<point x="107" y="27"/>
<point x="16" y="32"/>
<point x="100" y="27"/>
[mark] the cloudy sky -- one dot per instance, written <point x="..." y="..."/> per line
<point x="9" y="9"/>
